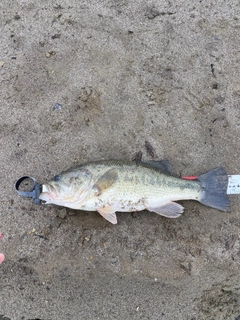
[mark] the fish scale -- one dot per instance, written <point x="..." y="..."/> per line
<point x="115" y="185"/>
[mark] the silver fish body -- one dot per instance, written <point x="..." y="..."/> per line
<point x="114" y="185"/>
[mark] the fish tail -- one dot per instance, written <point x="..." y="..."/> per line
<point x="215" y="184"/>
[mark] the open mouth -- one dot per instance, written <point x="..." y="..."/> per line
<point x="48" y="193"/>
<point x="49" y="188"/>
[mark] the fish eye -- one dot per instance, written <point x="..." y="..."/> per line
<point x="57" y="178"/>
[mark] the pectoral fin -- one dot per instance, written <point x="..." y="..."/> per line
<point x="109" y="214"/>
<point x="105" y="181"/>
<point x="169" y="210"/>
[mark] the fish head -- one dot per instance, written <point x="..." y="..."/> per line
<point x="68" y="188"/>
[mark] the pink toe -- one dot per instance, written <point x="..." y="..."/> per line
<point x="2" y="257"/>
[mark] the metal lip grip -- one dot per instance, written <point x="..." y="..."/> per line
<point x="34" y="193"/>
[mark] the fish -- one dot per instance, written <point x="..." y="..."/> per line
<point x="110" y="186"/>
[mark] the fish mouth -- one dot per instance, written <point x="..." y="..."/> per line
<point x="49" y="193"/>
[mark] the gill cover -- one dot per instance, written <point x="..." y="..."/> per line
<point x="69" y="187"/>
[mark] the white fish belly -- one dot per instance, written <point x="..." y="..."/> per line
<point x="130" y="199"/>
<point x="124" y="202"/>
<point x="166" y="196"/>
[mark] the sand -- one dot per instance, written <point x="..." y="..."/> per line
<point x="90" y="80"/>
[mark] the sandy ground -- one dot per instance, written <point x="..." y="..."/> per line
<point x="124" y="72"/>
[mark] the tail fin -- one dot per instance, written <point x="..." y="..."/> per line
<point x="215" y="184"/>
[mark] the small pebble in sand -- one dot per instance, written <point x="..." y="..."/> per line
<point x="57" y="106"/>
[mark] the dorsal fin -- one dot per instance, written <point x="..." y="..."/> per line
<point x="163" y="165"/>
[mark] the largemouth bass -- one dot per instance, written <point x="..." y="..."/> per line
<point x="113" y="185"/>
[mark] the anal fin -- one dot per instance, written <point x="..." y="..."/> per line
<point x="169" y="210"/>
<point x="108" y="213"/>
